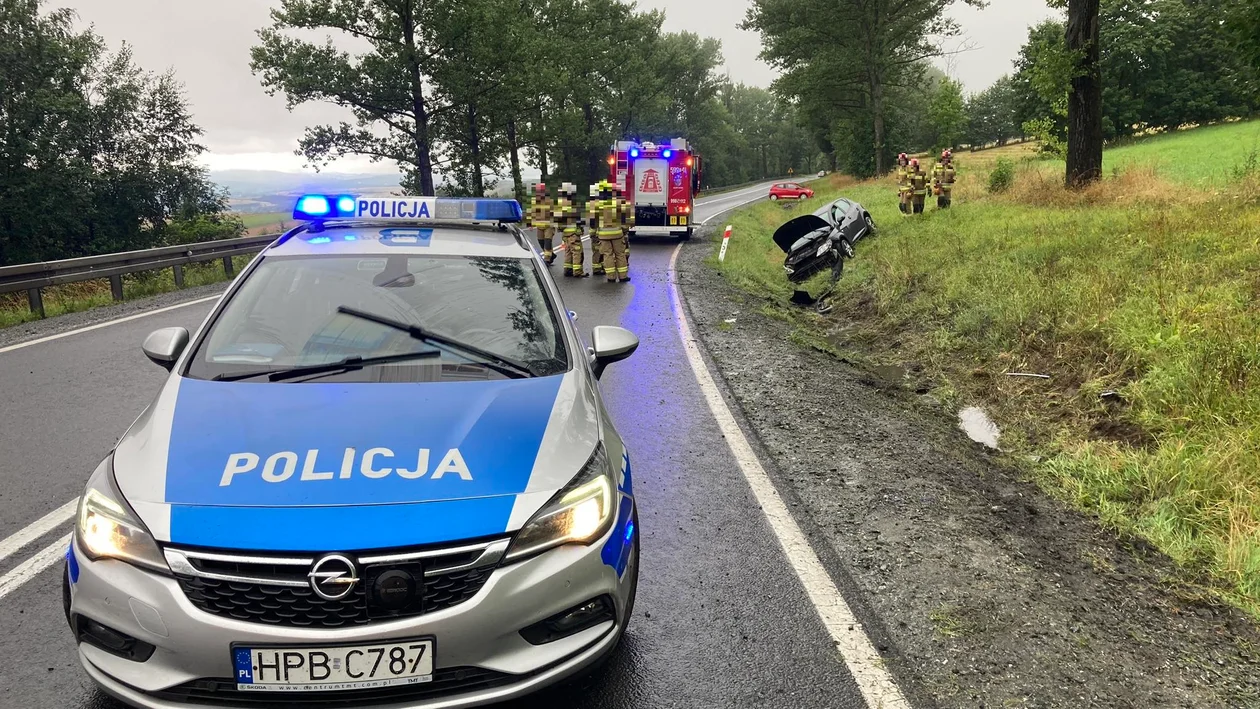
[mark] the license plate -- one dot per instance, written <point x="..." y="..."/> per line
<point x="325" y="669"/>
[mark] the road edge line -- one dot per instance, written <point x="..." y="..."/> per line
<point x="860" y="656"/>
<point x="33" y="566"/>
<point x="33" y="531"/>
<point x="107" y="323"/>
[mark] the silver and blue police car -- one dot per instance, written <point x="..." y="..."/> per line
<point x="380" y="474"/>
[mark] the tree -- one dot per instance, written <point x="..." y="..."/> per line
<point x="96" y="155"/>
<point x="851" y="65"/>
<point x="1085" y="109"/>
<point x="383" y="87"/>
<point x="945" y="111"/>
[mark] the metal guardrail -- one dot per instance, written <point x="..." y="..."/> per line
<point x="33" y="277"/>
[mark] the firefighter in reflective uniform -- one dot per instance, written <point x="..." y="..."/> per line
<point x="626" y="208"/>
<point x="943" y="176"/>
<point x="903" y="183"/>
<point x="918" y="187"/>
<point x="540" y="217"/>
<point x="611" y="234"/>
<point x="569" y="223"/>
<point x="592" y="220"/>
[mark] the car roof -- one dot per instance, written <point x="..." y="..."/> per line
<point x="428" y="239"/>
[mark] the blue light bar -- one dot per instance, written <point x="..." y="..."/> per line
<point x="667" y="153"/>
<point x="312" y="205"/>
<point x="406" y="209"/>
<point x="634" y="152"/>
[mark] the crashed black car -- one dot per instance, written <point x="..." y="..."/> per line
<point x="822" y="240"/>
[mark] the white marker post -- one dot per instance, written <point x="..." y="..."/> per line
<point x="726" y="239"/>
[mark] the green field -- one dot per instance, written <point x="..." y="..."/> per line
<point x="276" y="220"/>
<point x="1147" y="285"/>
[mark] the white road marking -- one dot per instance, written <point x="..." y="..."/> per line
<point x="107" y="323"/>
<point x="865" y="663"/>
<point x="38" y="528"/>
<point x="31" y="568"/>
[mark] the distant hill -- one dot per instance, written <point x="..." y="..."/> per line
<point x="267" y="191"/>
<point x="271" y="191"/>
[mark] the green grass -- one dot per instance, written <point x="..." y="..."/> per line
<point x="1141" y="285"/>
<point x="272" y="220"/>
<point x="75" y="297"/>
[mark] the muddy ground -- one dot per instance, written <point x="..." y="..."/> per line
<point x="990" y="593"/>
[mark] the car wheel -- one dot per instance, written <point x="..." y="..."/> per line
<point x="847" y="248"/>
<point x="801" y="196"/>
<point x="686" y="236"/>
<point x="870" y="224"/>
<point x="774" y="198"/>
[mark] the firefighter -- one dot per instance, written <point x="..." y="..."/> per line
<point x="592" y="221"/>
<point x="943" y="176"/>
<point x="903" y="183"/>
<point x="611" y="235"/>
<point x="626" y="209"/>
<point x="569" y="221"/>
<point x="541" y="212"/>
<point x="918" y="186"/>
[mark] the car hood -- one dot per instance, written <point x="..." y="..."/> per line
<point x="328" y="466"/>
<point x="788" y="234"/>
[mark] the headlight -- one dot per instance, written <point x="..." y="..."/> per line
<point x="826" y="246"/>
<point x="581" y="513"/>
<point x="107" y="528"/>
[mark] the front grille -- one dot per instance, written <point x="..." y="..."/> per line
<point x="275" y="605"/>
<point x="446" y="682"/>
<point x="275" y="591"/>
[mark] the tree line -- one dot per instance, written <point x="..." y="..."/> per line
<point x="96" y="155"/>
<point x="866" y="88"/>
<point x="469" y="92"/>
<point x="99" y="156"/>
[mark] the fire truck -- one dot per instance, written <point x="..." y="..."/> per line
<point x="661" y="181"/>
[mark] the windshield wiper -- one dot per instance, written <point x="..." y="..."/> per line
<point x="347" y="364"/>
<point x="503" y="365"/>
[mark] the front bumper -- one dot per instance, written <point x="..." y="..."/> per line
<point x="480" y="634"/>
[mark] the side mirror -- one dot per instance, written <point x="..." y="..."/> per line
<point x="165" y="346"/>
<point x="611" y="344"/>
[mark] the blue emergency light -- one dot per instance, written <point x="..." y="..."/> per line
<point x="634" y="152"/>
<point x="667" y="153"/>
<point x="320" y="208"/>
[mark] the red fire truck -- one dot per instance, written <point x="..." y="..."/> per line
<point x="661" y="181"/>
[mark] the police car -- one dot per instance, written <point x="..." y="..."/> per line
<point x="379" y="474"/>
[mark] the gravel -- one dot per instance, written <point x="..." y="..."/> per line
<point x="990" y="593"/>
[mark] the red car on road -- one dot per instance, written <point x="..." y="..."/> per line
<point x="789" y="190"/>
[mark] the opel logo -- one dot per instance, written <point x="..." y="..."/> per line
<point x="332" y="577"/>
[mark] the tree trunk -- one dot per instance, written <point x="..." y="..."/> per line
<point x="877" y="111"/>
<point x="1085" y="136"/>
<point x="514" y="158"/>
<point x="424" y="162"/>
<point x="594" y="157"/>
<point x="478" y="187"/>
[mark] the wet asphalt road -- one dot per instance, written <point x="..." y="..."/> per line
<point x="720" y="621"/>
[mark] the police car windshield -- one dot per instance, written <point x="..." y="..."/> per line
<point x="285" y="315"/>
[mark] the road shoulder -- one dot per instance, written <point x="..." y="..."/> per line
<point x="993" y="594"/>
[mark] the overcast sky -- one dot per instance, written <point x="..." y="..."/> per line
<point x="207" y="43"/>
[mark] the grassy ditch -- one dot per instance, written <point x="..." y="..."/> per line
<point x="1140" y="297"/>
<point x="75" y="297"/>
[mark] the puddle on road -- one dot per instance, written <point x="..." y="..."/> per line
<point x="978" y="427"/>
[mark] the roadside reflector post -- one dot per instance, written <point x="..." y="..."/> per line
<point x="35" y="300"/>
<point x="726" y="239"/>
<point x="179" y="275"/>
<point x="115" y="287"/>
<point x="227" y="266"/>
